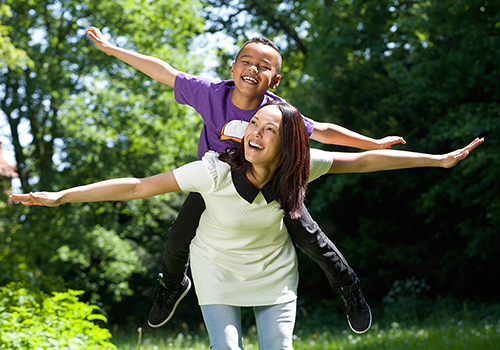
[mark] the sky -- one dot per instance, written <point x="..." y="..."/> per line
<point x="7" y="148"/>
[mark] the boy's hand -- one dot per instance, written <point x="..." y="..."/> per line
<point x="100" y="41"/>
<point x="451" y="159"/>
<point x="388" y="141"/>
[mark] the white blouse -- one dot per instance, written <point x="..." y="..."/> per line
<point x="241" y="254"/>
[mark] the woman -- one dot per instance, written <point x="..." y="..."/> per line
<point x="241" y="255"/>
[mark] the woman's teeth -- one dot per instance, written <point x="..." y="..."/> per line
<point x="254" y="145"/>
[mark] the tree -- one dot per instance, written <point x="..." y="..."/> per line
<point x="423" y="70"/>
<point x="91" y="117"/>
<point x="10" y="56"/>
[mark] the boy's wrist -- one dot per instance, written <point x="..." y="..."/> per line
<point x="110" y="50"/>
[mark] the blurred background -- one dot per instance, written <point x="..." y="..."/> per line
<point x="425" y="70"/>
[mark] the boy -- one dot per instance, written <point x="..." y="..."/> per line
<point x="226" y="107"/>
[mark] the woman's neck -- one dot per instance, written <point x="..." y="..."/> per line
<point x="260" y="176"/>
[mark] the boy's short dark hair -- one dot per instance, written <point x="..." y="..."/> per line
<point x="264" y="41"/>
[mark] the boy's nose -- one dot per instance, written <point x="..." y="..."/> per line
<point x="253" y="69"/>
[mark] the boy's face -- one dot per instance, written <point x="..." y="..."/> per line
<point x="255" y="69"/>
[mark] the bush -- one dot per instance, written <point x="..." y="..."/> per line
<point x="408" y="301"/>
<point x="31" y="319"/>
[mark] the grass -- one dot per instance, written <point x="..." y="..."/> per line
<point x="463" y="330"/>
<point x="451" y="336"/>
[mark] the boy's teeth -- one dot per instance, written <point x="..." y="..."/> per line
<point x="250" y="80"/>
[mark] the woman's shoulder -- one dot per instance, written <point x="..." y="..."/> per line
<point x="321" y="162"/>
<point x="211" y="158"/>
<point x="216" y="167"/>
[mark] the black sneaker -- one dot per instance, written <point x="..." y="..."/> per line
<point x="358" y="312"/>
<point x="167" y="297"/>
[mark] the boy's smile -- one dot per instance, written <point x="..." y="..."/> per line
<point x="254" y="72"/>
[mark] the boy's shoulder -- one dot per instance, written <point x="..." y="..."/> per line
<point x="272" y="96"/>
<point x="217" y="83"/>
<point x="197" y="79"/>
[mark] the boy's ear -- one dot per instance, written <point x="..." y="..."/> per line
<point x="232" y="70"/>
<point x="276" y="81"/>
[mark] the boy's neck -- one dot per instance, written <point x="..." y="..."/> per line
<point x="245" y="102"/>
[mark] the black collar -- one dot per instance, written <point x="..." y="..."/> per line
<point x="249" y="193"/>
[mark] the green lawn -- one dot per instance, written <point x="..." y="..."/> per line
<point x="452" y="334"/>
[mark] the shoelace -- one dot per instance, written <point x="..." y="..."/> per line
<point x="158" y="291"/>
<point x="354" y="304"/>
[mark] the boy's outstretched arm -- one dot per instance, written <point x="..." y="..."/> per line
<point x="337" y="135"/>
<point x="153" y="67"/>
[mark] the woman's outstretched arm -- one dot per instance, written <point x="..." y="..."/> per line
<point x="379" y="160"/>
<point x="109" y="190"/>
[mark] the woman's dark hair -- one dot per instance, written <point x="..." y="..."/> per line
<point x="291" y="178"/>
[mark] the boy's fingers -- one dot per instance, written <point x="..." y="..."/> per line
<point x="397" y="139"/>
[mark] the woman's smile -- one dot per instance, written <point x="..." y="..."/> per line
<point x="263" y="138"/>
<point x="255" y="145"/>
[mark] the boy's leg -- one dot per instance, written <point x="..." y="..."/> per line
<point x="309" y="237"/>
<point x="173" y="282"/>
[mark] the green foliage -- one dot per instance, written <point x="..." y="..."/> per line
<point x="407" y="301"/>
<point x="52" y="34"/>
<point x="29" y="319"/>
<point x="427" y="71"/>
<point x="10" y="56"/>
<point x="91" y="117"/>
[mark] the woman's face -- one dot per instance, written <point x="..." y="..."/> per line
<point x="263" y="137"/>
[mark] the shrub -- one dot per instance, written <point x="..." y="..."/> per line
<point x="31" y="319"/>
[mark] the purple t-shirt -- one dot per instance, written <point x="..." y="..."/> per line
<point x="224" y="123"/>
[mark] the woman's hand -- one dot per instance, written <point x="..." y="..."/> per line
<point x="451" y="159"/>
<point x="48" y="199"/>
